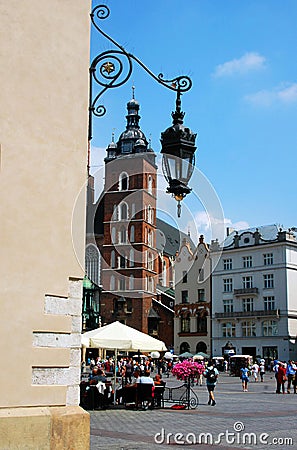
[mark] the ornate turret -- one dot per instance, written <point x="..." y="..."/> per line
<point x="132" y="140"/>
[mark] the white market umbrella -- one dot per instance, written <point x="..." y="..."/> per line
<point x="117" y="336"/>
<point x="121" y="337"/>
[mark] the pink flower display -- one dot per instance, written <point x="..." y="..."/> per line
<point x="187" y="369"/>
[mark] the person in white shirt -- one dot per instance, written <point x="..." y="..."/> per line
<point x="255" y="370"/>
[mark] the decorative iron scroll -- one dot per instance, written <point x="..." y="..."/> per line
<point x="113" y="68"/>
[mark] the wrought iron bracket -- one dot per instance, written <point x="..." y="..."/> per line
<point x="113" y="68"/>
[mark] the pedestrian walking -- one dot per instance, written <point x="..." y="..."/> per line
<point x="244" y="375"/>
<point x="211" y="374"/>
<point x="281" y="378"/>
<point x="290" y="373"/>
<point x="255" y="370"/>
<point x="262" y="371"/>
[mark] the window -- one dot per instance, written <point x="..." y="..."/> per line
<point x="269" y="328"/>
<point x="113" y="235"/>
<point x="122" y="284"/>
<point x="132" y="233"/>
<point x="123" y="211"/>
<point x="184" y="296"/>
<point x="201" y="295"/>
<point x="129" y="307"/>
<point x="112" y="259"/>
<point x="228" y="284"/>
<point x="185" y="325"/>
<point x="132" y="257"/>
<point x="247" y="282"/>
<point x="149" y="214"/>
<point x="92" y="263"/>
<point x="150" y="238"/>
<point x="229" y="329"/>
<point x="185" y="276"/>
<point x="201" y="275"/>
<point x="269" y="303"/>
<point x="150" y="184"/>
<point x="247" y="261"/>
<point x="248" y="328"/>
<point x="131" y="282"/>
<point x="268" y="259"/>
<point x="228" y="305"/>
<point x="227" y="264"/>
<point x="115" y="213"/>
<point x="150" y="284"/>
<point x="133" y="207"/>
<point x="201" y="323"/>
<point x="123" y="181"/>
<point x="247" y="304"/>
<point x="268" y="281"/>
<point x="164" y="274"/>
<point x="150" y="261"/>
<point x="112" y="283"/>
<point x="123" y="237"/>
<point x="122" y="262"/>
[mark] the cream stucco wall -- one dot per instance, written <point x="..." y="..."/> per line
<point x="43" y="117"/>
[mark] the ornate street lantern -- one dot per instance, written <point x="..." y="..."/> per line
<point x="111" y="69"/>
<point x="178" y="148"/>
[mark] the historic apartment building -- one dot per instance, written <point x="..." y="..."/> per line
<point x="192" y="320"/>
<point x="254" y="293"/>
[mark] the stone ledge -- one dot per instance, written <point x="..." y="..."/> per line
<point x="46" y="428"/>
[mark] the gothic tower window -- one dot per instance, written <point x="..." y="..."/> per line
<point x="112" y="259"/>
<point x="112" y="283"/>
<point x="132" y="257"/>
<point x="123" y="182"/>
<point x="123" y="211"/>
<point x="113" y="235"/>
<point x="92" y="263"/>
<point x="123" y="235"/>
<point x="132" y="234"/>
<point x="150" y="184"/>
<point x="131" y="282"/>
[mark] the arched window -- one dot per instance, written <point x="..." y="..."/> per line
<point x="131" y="282"/>
<point x="132" y="234"/>
<point x="164" y="275"/>
<point x="115" y="213"/>
<point x="123" y="235"/>
<point x="113" y="235"/>
<point x="150" y="184"/>
<point x="133" y="209"/>
<point x="92" y="263"/>
<point x="123" y="211"/>
<point x="201" y="347"/>
<point x="184" y="347"/>
<point x="150" y="261"/>
<point x="123" y="182"/>
<point x="132" y="257"/>
<point x="149" y="214"/>
<point x="112" y="259"/>
<point x="112" y="283"/>
<point x="123" y="261"/>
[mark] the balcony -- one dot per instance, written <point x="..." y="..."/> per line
<point x="274" y="313"/>
<point x="246" y="291"/>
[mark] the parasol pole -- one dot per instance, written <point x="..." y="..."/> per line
<point x="115" y="375"/>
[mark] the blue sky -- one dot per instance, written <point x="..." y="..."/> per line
<point x="241" y="57"/>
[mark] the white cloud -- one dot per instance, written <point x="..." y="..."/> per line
<point x="285" y="94"/>
<point x="248" y="62"/>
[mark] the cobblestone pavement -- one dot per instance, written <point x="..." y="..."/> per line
<point x="258" y="419"/>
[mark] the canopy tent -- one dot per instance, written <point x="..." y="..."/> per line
<point x="204" y="355"/>
<point x="117" y="336"/>
<point x="186" y="355"/>
<point x="121" y="337"/>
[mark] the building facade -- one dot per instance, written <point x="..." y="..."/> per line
<point x="192" y="320"/>
<point x="44" y="123"/>
<point x="255" y="293"/>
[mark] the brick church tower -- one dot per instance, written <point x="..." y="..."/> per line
<point x="127" y="214"/>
